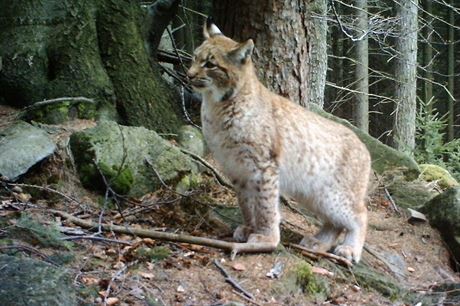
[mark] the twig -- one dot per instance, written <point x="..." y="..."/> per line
<point x="234" y="247"/>
<point x="45" y="189"/>
<point x="390" y="198"/>
<point x="241" y="295"/>
<point x="184" y="109"/>
<point x="97" y="239"/>
<point x="117" y="275"/>
<point x="161" y="180"/>
<point x="30" y="250"/>
<point x="341" y="260"/>
<point x="232" y="281"/>
<point x="220" y="178"/>
<point x="57" y="100"/>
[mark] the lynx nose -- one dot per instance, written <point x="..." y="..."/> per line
<point x="191" y="73"/>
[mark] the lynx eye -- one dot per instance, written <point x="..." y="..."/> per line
<point x="209" y="65"/>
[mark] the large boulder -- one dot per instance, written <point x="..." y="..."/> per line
<point x="27" y="281"/>
<point x="384" y="158"/>
<point x="438" y="174"/>
<point x="22" y="145"/>
<point x="133" y="160"/>
<point x="443" y="212"/>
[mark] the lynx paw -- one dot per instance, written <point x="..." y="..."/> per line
<point x="242" y="232"/>
<point x="348" y="252"/>
<point x="314" y="244"/>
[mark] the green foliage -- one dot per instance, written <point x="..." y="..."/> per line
<point x="153" y="254"/>
<point x="33" y="232"/>
<point x="431" y="146"/>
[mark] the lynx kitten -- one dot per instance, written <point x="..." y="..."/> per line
<point x="269" y="146"/>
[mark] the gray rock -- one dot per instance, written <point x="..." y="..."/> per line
<point x="443" y="212"/>
<point x="121" y="154"/>
<point x="21" y="146"/>
<point x="191" y="139"/>
<point x="30" y="282"/>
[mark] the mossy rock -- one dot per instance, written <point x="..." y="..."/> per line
<point x="384" y="158"/>
<point x="28" y="281"/>
<point x="133" y="160"/>
<point x="443" y="211"/>
<point x="440" y="175"/>
<point x="60" y="112"/>
<point x="191" y="139"/>
<point x="408" y="193"/>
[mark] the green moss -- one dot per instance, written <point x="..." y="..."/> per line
<point x="120" y="181"/>
<point x="153" y="254"/>
<point x="33" y="232"/>
<point x="189" y="182"/>
<point x="436" y="173"/>
<point x="305" y="278"/>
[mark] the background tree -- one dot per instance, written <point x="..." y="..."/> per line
<point x="290" y="39"/>
<point x="361" y="71"/>
<point x="406" y="77"/>
<point x="52" y="49"/>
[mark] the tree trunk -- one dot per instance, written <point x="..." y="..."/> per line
<point x="428" y="55"/>
<point x="405" y="75"/>
<point x="96" y="49"/>
<point x="290" y="53"/>
<point x="361" y="71"/>
<point x="451" y="75"/>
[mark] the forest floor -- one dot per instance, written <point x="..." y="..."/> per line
<point x="120" y="269"/>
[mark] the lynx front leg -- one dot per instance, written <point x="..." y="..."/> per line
<point x="355" y="235"/>
<point x="246" y="202"/>
<point x="266" y="209"/>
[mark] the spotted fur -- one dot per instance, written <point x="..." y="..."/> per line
<point x="269" y="146"/>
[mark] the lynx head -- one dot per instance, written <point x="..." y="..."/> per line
<point x="220" y="64"/>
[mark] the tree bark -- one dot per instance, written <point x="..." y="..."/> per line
<point x="405" y="75"/>
<point x="361" y="70"/>
<point x="51" y="49"/>
<point x="290" y="41"/>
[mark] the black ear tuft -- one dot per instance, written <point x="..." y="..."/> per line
<point x="209" y="21"/>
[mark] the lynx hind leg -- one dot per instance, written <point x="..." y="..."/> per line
<point x="323" y="240"/>
<point x="355" y="235"/>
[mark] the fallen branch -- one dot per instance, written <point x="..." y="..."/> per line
<point x="232" y="281"/>
<point x="234" y="247"/>
<point x="45" y="189"/>
<point x="307" y="252"/>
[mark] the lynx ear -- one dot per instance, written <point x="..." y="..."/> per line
<point x="210" y="29"/>
<point x="241" y="54"/>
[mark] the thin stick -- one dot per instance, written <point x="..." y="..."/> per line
<point x="339" y="259"/>
<point x="232" y="281"/>
<point x="390" y="198"/>
<point x="57" y="100"/>
<point x="97" y="239"/>
<point x="234" y="247"/>
<point x="28" y="249"/>
<point x="46" y="189"/>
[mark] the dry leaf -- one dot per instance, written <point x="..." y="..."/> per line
<point x="321" y="271"/>
<point x="112" y="301"/>
<point x="119" y="265"/>
<point x="147" y="275"/>
<point x="238" y="267"/>
<point x="410" y="269"/>
<point x="87" y="280"/>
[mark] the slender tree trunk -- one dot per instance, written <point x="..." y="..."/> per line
<point x="405" y="75"/>
<point x="428" y="54"/>
<point x="286" y="57"/>
<point x="451" y="71"/>
<point x="361" y="71"/>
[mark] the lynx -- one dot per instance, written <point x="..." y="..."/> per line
<point x="269" y="146"/>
